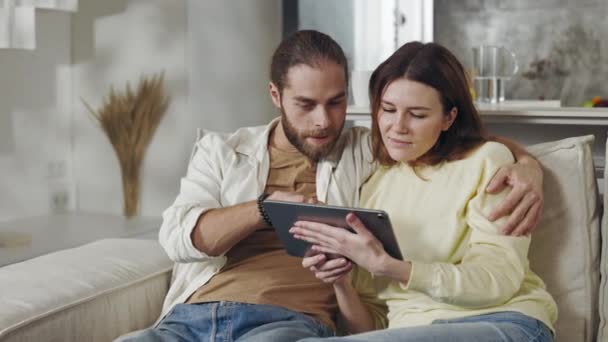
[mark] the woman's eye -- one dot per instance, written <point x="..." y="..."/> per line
<point x="418" y="115"/>
<point x="388" y="110"/>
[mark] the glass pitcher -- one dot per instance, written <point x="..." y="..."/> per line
<point x="492" y="66"/>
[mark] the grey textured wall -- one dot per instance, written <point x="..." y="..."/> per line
<point x="562" y="45"/>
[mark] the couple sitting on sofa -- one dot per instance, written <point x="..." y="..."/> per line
<point x="426" y="162"/>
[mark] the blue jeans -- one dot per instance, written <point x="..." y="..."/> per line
<point x="230" y="321"/>
<point x="496" y="327"/>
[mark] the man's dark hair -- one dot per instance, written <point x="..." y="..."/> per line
<point x="306" y="47"/>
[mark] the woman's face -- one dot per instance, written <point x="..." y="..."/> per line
<point x="411" y="118"/>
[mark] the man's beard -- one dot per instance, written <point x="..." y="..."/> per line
<point x="298" y="139"/>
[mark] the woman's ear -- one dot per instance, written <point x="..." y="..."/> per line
<point x="275" y="94"/>
<point x="449" y="119"/>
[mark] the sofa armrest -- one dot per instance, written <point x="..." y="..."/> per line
<point x="95" y="292"/>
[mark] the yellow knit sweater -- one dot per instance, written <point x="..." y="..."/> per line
<point x="461" y="264"/>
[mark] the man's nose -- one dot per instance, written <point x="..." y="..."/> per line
<point x="321" y="117"/>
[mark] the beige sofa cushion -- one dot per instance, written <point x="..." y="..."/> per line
<point x="566" y="245"/>
<point x="602" y="334"/>
<point x="95" y="292"/>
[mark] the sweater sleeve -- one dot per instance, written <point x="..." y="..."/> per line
<point x="494" y="265"/>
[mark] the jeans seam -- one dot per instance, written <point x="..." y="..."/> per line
<point x="539" y="333"/>
<point x="213" y="322"/>
<point x="229" y="317"/>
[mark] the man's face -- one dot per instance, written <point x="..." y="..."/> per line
<point x="313" y="107"/>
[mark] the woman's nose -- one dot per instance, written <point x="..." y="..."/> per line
<point x="402" y="123"/>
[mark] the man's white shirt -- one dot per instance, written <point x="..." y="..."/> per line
<point x="228" y="169"/>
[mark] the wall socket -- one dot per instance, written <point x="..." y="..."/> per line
<point x="59" y="199"/>
<point x="61" y="188"/>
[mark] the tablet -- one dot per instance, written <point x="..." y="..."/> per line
<point x="284" y="214"/>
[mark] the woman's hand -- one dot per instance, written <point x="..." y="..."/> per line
<point x="361" y="247"/>
<point x="332" y="271"/>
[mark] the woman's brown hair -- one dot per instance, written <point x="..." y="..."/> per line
<point x="434" y="66"/>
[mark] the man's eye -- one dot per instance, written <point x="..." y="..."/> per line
<point x="307" y="106"/>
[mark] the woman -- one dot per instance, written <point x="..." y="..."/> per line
<point x="461" y="279"/>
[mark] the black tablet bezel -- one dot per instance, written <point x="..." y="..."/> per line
<point x="284" y="214"/>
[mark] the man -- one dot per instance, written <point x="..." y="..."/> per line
<point x="232" y="279"/>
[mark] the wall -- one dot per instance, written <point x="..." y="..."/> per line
<point x="35" y="96"/>
<point x="231" y="44"/>
<point x="566" y="34"/>
<point x="565" y="37"/>
<point x="114" y="42"/>
<point x="215" y="55"/>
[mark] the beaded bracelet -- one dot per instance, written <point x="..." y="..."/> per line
<point x="261" y="210"/>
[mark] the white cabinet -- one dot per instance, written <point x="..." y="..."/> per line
<point x="380" y="27"/>
<point x="414" y="21"/>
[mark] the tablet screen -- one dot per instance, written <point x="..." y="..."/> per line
<point x="284" y="214"/>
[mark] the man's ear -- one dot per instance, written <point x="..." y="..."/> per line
<point x="449" y="119"/>
<point x="275" y="94"/>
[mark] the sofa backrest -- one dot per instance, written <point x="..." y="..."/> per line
<point x="95" y="292"/>
<point x="565" y="250"/>
<point x="602" y="334"/>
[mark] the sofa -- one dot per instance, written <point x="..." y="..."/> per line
<point x="107" y="288"/>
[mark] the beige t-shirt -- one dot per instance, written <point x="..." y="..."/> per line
<point x="259" y="270"/>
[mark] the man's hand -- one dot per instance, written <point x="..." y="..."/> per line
<point x="525" y="201"/>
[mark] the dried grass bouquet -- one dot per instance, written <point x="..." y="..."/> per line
<point x="129" y="120"/>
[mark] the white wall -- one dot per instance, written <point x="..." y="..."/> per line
<point x="231" y="46"/>
<point x="115" y="42"/>
<point x="215" y="55"/>
<point x="35" y="96"/>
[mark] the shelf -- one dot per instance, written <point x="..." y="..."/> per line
<point x="49" y="233"/>
<point x="523" y="114"/>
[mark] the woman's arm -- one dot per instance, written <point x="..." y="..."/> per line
<point x="494" y="265"/>
<point x="491" y="271"/>
<point x="353" y="312"/>
<point x="360" y="309"/>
